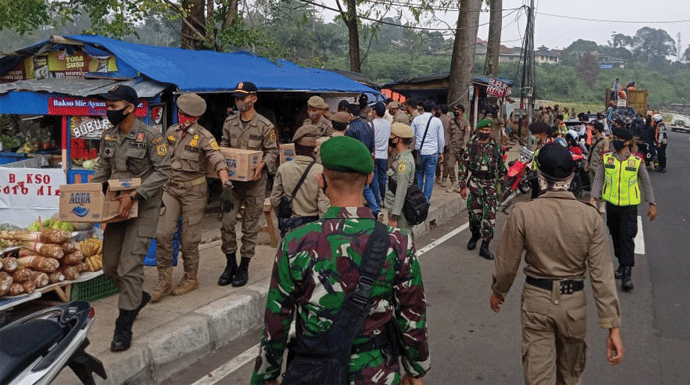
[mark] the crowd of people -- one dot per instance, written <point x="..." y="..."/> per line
<point x="336" y="257"/>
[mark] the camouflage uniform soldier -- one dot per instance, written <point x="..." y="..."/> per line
<point x="131" y="149"/>
<point x="401" y="173"/>
<point x="317" y="265"/>
<point x="250" y="131"/>
<point x="482" y="164"/>
<point x="191" y="148"/>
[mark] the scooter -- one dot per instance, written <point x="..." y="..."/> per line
<point x="519" y="178"/>
<point x="647" y="153"/>
<point x="34" y="349"/>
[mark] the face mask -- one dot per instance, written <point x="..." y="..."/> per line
<point x="483" y="135"/>
<point x="185" y="121"/>
<point x="243" y="106"/>
<point x="391" y="143"/>
<point x="618" y="144"/>
<point x="116" y="116"/>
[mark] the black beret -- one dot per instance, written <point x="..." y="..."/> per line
<point x="539" y="128"/>
<point x="622" y="133"/>
<point x="555" y="161"/>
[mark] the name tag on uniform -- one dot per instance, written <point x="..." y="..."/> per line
<point x="630" y="169"/>
<point x="190" y="148"/>
<point x="137" y="144"/>
<point x="610" y="166"/>
<point x="255" y="137"/>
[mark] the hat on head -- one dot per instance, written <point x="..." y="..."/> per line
<point x="346" y="154"/>
<point x="555" y="161"/>
<point x="598" y="126"/>
<point x="394" y="104"/>
<point x="191" y="104"/>
<point x="484" y="123"/>
<point x="125" y="93"/>
<point x="379" y="108"/>
<point x="243" y="89"/>
<point x="622" y="133"/>
<point x="539" y="128"/>
<point x="341" y="117"/>
<point x="317" y="102"/>
<point x="306" y="135"/>
<point x="343" y="105"/>
<point x="402" y="130"/>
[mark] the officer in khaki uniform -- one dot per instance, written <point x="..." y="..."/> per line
<point x="317" y="107"/>
<point x="456" y="144"/>
<point x="192" y="147"/>
<point x="562" y="237"/>
<point x="130" y="149"/>
<point x="401" y="174"/>
<point x="310" y="201"/>
<point x="399" y="116"/>
<point x="246" y="130"/>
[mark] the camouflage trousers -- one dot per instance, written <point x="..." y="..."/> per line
<point x="482" y="203"/>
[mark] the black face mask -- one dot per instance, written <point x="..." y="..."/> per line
<point x="483" y="135"/>
<point x="618" y="144"/>
<point x="391" y="143"/>
<point x="116" y="116"/>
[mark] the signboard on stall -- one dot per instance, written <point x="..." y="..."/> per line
<point x="27" y="193"/>
<point x="88" y="127"/>
<point x="496" y="88"/>
<point x="86" y="107"/>
<point x="61" y="65"/>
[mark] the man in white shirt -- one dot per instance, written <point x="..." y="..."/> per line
<point x="429" y="142"/>
<point x="382" y="132"/>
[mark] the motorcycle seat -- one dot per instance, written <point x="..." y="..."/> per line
<point x="23" y="343"/>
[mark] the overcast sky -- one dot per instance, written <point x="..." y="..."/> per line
<point x="559" y="32"/>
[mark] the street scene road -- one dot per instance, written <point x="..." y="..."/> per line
<point x="472" y="345"/>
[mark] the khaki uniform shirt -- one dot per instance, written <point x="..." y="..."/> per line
<point x="310" y="200"/>
<point x="259" y="134"/>
<point x="401" y="117"/>
<point x="562" y="238"/>
<point x="445" y="120"/>
<point x="497" y="129"/>
<point x="189" y="153"/>
<point x="458" y="131"/>
<point x="324" y="125"/>
<point x="140" y="153"/>
<point x="596" y="154"/>
<point x="402" y="172"/>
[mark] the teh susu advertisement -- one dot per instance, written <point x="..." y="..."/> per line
<point x="60" y="65"/>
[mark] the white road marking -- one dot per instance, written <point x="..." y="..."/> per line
<point x="442" y="239"/>
<point x="229" y="367"/>
<point x="250" y="354"/>
<point x="639" y="238"/>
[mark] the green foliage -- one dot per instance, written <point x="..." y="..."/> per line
<point x="23" y="15"/>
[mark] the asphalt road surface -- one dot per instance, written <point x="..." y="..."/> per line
<point x="472" y="345"/>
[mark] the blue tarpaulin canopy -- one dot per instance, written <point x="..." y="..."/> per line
<point x="219" y="71"/>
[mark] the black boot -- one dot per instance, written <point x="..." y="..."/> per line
<point x="618" y="274"/>
<point x="472" y="244"/>
<point x="230" y="270"/>
<point x="484" y="251"/>
<point x="122" y="339"/>
<point x="242" y="275"/>
<point x="626" y="279"/>
<point x="145" y="298"/>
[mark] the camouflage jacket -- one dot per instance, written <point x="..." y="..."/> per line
<point x="481" y="159"/>
<point x="316" y="266"/>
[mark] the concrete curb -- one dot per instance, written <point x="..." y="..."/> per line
<point x="173" y="346"/>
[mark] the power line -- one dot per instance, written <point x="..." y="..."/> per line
<point x="614" y="21"/>
<point x="393" y="24"/>
<point x="422" y="6"/>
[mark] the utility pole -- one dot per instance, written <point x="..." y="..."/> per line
<point x="678" y="53"/>
<point x="527" y="83"/>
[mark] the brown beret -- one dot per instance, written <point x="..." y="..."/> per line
<point x="317" y="102"/>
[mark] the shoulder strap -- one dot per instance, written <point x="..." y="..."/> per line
<point x="348" y="322"/>
<point x="299" y="183"/>
<point x="425" y="131"/>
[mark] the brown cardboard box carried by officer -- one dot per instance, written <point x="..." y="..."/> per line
<point x="287" y="150"/>
<point x="95" y="202"/>
<point x="241" y="163"/>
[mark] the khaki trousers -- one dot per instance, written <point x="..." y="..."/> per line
<point x="452" y="158"/>
<point x="190" y="203"/>
<point x="125" y="245"/>
<point x="554" y="330"/>
<point x="251" y="195"/>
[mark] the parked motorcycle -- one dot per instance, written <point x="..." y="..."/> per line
<point x="580" y="177"/>
<point x="647" y="152"/>
<point x="34" y="349"/>
<point x="519" y="178"/>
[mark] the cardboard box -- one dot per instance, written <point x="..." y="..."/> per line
<point x="241" y="163"/>
<point x="95" y="202"/>
<point x="287" y="152"/>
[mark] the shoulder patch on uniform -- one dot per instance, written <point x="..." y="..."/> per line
<point x="402" y="166"/>
<point x="157" y="140"/>
<point x="172" y="138"/>
<point x="214" y="144"/>
<point x="141" y="136"/>
<point x="162" y="149"/>
<point x="272" y="136"/>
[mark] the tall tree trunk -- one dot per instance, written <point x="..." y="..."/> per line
<point x="197" y="20"/>
<point x="462" y="62"/>
<point x="493" y="47"/>
<point x="230" y="14"/>
<point x="353" y="35"/>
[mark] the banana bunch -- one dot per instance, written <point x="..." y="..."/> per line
<point x="94" y="262"/>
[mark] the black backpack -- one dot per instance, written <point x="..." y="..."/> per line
<point x="416" y="207"/>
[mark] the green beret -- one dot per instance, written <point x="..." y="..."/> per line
<point x="346" y="154"/>
<point x="484" y="123"/>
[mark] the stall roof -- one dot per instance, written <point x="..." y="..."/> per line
<point x="442" y="76"/>
<point x="209" y="71"/>
<point x="83" y="87"/>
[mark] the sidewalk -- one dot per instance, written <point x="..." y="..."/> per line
<point x="178" y="331"/>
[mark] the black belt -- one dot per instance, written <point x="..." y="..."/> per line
<point x="379" y="341"/>
<point x="484" y="175"/>
<point x="567" y="287"/>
